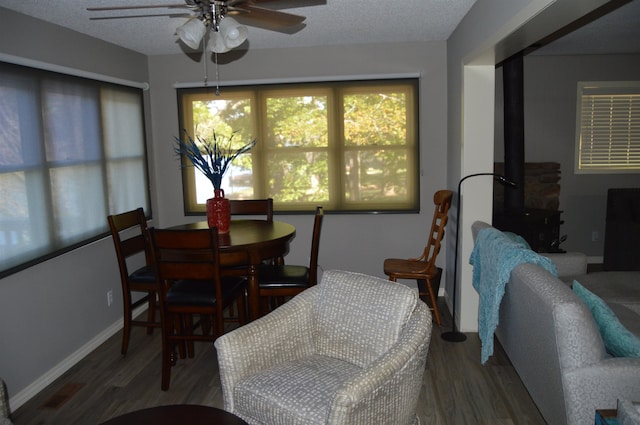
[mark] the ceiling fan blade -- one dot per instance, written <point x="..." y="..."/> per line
<point x="155" y="6"/>
<point x="155" y="15"/>
<point x="266" y="18"/>
<point x="282" y="4"/>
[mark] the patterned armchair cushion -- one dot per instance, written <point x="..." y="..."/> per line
<point x="311" y="382"/>
<point x="359" y="317"/>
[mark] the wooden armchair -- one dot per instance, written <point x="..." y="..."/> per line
<point x="423" y="269"/>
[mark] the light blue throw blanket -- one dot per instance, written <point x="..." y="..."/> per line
<point x="495" y="254"/>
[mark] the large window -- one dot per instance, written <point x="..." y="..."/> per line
<point x="349" y="146"/>
<point x="608" y="127"/>
<point x="71" y="152"/>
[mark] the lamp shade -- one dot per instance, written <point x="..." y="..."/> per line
<point x="230" y="35"/>
<point x="191" y="32"/>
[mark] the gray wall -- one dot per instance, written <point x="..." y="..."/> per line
<point x="357" y="242"/>
<point x="550" y="132"/>
<point x="58" y="309"/>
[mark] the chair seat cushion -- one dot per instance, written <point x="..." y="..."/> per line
<point x="283" y="276"/>
<point x="295" y="392"/>
<point x="400" y="267"/>
<point x="144" y="274"/>
<point x="203" y="293"/>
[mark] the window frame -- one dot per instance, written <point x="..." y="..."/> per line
<point x="336" y="148"/>
<point x="598" y="133"/>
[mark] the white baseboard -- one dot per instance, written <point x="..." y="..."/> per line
<point x="58" y="370"/>
<point x="595" y="260"/>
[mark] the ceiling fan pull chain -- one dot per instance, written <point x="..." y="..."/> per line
<point x="217" y="76"/>
<point x="204" y="59"/>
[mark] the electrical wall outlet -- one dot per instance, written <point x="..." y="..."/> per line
<point x="595" y="236"/>
<point x="109" y="298"/>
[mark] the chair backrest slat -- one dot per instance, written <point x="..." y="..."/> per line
<point x="122" y="226"/>
<point x="442" y="200"/>
<point x="253" y="207"/>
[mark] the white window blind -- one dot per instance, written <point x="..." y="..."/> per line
<point x="608" y="127"/>
<point x="71" y="152"/>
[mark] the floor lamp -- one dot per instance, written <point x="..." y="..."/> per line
<point x="454" y="335"/>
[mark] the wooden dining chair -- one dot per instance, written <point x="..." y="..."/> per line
<point x="129" y="233"/>
<point x="253" y="207"/>
<point x="277" y="282"/>
<point x="423" y="269"/>
<point x="187" y="263"/>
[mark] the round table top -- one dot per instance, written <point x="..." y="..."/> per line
<point x="245" y="233"/>
<point x="187" y="414"/>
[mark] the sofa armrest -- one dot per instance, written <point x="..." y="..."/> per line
<point x="599" y="386"/>
<point x="569" y="263"/>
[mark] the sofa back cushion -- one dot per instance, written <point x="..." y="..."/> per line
<point x="359" y="317"/>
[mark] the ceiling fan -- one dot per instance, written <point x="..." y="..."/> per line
<point x="225" y="33"/>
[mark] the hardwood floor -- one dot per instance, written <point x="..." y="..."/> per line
<point x="457" y="389"/>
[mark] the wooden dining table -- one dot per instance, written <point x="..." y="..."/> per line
<point x="248" y="243"/>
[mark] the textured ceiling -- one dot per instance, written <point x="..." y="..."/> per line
<point x="334" y="23"/>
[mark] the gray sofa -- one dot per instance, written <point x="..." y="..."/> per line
<point x="553" y="342"/>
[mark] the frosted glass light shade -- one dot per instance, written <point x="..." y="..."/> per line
<point x="216" y="43"/>
<point x="191" y="32"/>
<point x="231" y="35"/>
<point x="234" y="33"/>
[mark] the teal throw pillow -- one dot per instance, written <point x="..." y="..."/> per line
<point x="618" y="341"/>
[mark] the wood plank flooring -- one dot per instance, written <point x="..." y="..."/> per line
<point x="457" y="389"/>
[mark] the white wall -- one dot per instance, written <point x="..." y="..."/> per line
<point x="550" y="91"/>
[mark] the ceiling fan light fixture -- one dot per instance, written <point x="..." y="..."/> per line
<point x="234" y="34"/>
<point x="216" y="43"/>
<point x="191" y="32"/>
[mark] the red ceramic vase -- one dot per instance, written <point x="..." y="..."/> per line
<point x="219" y="211"/>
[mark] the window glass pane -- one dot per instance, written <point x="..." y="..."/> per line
<point x="71" y="122"/>
<point x="78" y="202"/>
<point x="20" y="136"/>
<point x="375" y="119"/>
<point x="23" y="230"/>
<point x="296" y="121"/>
<point x="298" y="177"/>
<point x="123" y="130"/>
<point x="125" y="178"/>
<point x="376" y="175"/>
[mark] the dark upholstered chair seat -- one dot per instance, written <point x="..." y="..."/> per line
<point x="144" y="274"/>
<point x="203" y="293"/>
<point x="287" y="275"/>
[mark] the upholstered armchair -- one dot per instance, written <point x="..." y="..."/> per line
<point x="4" y="406"/>
<point x="350" y="350"/>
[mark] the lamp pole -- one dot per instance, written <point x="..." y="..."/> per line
<point x="454" y="335"/>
